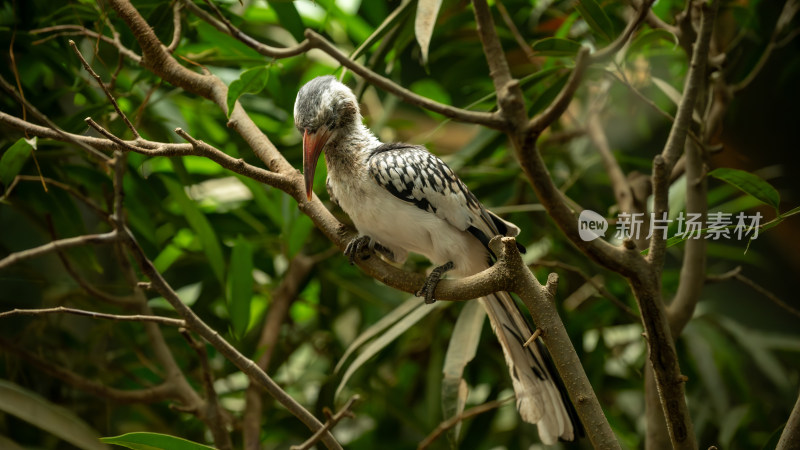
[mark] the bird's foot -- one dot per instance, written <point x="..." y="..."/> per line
<point x="358" y="248"/>
<point x="429" y="287"/>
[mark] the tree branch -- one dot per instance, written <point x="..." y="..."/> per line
<point x="58" y="245"/>
<point x="453" y="421"/>
<point x="791" y="432"/>
<point x="161" y="392"/>
<point x="539" y="301"/>
<point x="194" y="323"/>
<point x="491" y="120"/>
<point x="216" y="416"/>
<point x="95" y="315"/>
<point x="695" y="80"/>
<point x="299" y="268"/>
<point x="103" y="86"/>
<point x="224" y="25"/>
<point x="693" y="269"/>
<point x="329" y="424"/>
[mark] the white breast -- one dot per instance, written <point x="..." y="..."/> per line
<point x="402" y="227"/>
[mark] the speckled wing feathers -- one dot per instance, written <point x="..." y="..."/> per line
<point x="414" y="175"/>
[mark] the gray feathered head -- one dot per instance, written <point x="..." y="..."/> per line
<point x="324" y="107"/>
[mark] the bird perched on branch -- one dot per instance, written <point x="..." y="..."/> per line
<point x="402" y="199"/>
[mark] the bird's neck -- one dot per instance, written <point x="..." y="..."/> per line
<point x="349" y="149"/>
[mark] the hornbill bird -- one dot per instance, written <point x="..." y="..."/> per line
<point x="402" y="199"/>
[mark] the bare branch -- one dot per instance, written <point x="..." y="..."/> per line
<point x="153" y="394"/>
<point x="299" y="268"/>
<point x="105" y="89"/>
<point x="526" y="48"/>
<point x="68" y="30"/>
<point x="224" y="25"/>
<point x="790" y="9"/>
<point x="453" y="421"/>
<point x="492" y="49"/>
<point x="557" y="107"/>
<point x="95" y="315"/>
<point x="176" y="26"/>
<point x="630" y="28"/>
<point x="693" y="269"/>
<point x="194" y="323"/>
<point x="601" y="289"/>
<point x="736" y="274"/>
<point x="329" y="424"/>
<point x="58" y="245"/>
<point x="217" y="419"/>
<point x="44" y="119"/>
<point x="538" y="300"/>
<point x="695" y="80"/>
<point x="791" y="432"/>
<point x="491" y="120"/>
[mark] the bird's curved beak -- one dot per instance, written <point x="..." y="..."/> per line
<point x="313" y="143"/>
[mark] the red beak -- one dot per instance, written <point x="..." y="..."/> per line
<point x="313" y="143"/>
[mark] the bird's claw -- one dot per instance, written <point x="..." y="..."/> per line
<point x="427" y="290"/>
<point x="358" y="247"/>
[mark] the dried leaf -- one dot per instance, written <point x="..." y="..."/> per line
<point x="427" y="11"/>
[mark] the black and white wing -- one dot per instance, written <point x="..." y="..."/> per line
<point x="413" y="174"/>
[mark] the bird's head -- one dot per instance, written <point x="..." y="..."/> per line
<point x="324" y="108"/>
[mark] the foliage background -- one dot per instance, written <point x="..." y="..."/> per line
<point x="740" y="353"/>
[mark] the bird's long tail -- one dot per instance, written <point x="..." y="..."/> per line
<point x="538" y="398"/>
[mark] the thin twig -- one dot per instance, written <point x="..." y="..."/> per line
<point x="153" y="394"/>
<point x="77" y="30"/>
<point x="622" y="39"/>
<point x="736" y="275"/>
<point x="61" y="244"/>
<point x="176" y="26"/>
<point x="283" y="296"/>
<point x="559" y="104"/>
<point x="676" y="140"/>
<point x="216" y="415"/>
<point x="602" y="290"/>
<point x="194" y="323"/>
<point x="491" y="120"/>
<point x="526" y="48"/>
<point x="225" y="26"/>
<point x="453" y="421"/>
<point x="105" y="88"/>
<point x="67" y="137"/>
<point x="95" y="315"/>
<point x="329" y="424"/>
<point x="788" y="12"/>
<point x="790" y="435"/>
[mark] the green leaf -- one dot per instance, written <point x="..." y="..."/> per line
<point x="199" y="223"/>
<point x="54" y="419"/>
<point x="461" y="350"/>
<point x="289" y="18"/>
<point x="392" y="20"/>
<point x="153" y="441"/>
<point x="427" y="11"/>
<point x="651" y="37"/>
<point x="387" y="338"/>
<point x="250" y="81"/>
<point x="556" y="47"/>
<point x="373" y="330"/>
<point x="13" y="159"/>
<point x="240" y="285"/>
<point x="749" y="184"/>
<point x="596" y="18"/>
